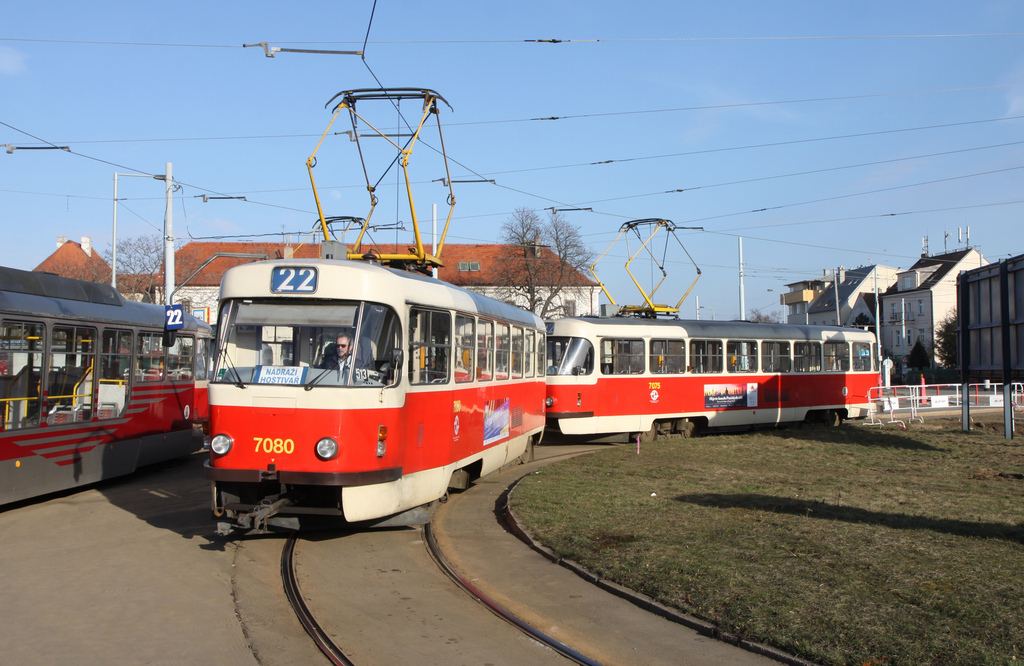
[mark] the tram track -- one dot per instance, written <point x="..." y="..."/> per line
<point x="462" y="598"/>
<point x="494" y="607"/>
<point x="321" y="639"/>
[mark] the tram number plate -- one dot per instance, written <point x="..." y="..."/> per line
<point x="293" y="280"/>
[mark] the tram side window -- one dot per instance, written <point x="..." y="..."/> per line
<point x="429" y="346"/>
<point x="21" y="367"/>
<point x="862" y="357"/>
<point x="149" y="357"/>
<point x="484" y="351"/>
<point x="622" y="357"/>
<point x="541" y="348"/>
<point x="115" y="367"/>
<point x="501" y="352"/>
<point x="807" y="356"/>
<point x="202" y="359"/>
<point x="70" y="376"/>
<point x="837" y="357"/>
<point x="180" y="357"/>
<point x="742" y="355"/>
<point x="465" y="342"/>
<point x="668" y="356"/>
<point x="517" y="353"/>
<point x="705" y="356"/>
<point x="528" y="354"/>
<point x="775" y="357"/>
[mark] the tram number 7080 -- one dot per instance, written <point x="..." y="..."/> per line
<point x="293" y="280"/>
<point x="274" y="445"/>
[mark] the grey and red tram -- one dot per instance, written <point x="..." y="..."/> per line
<point x="88" y="389"/>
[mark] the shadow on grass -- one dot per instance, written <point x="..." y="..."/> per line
<point x="825" y="511"/>
<point x="859" y="435"/>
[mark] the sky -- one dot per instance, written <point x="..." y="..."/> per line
<point x="814" y="134"/>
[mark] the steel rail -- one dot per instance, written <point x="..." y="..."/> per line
<point x="533" y="632"/>
<point x="291" y="589"/>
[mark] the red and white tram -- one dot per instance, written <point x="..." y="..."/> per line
<point x="435" y="386"/>
<point x="618" y="377"/>
<point x="88" y="389"/>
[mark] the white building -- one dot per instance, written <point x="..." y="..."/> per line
<point x="922" y="297"/>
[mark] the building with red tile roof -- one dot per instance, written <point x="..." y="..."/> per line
<point x="76" y="260"/>
<point x="484" y="268"/>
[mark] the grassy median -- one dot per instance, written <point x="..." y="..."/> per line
<point x="850" y="545"/>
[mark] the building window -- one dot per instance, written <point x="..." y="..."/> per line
<point x="920" y="306"/>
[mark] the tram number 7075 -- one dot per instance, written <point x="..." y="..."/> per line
<point x="274" y="445"/>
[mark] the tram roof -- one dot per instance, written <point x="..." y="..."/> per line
<point x="363" y="280"/>
<point x="47" y="295"/>
<point x="716" y="329"/>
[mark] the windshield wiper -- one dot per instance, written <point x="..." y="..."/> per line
<point x="316" y="380"/>
<point x="234" y="371"/>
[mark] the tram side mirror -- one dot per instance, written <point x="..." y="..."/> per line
<point x="388" y="367"/>
<point x="170" y="337"/>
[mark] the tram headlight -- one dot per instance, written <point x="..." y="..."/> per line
<point x="549" y="402"/>
<point x="382" y="441"/>
<point x="326" y="448"/>
<point x="221" y="444"/>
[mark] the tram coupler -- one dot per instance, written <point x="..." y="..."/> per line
<point x="256" y="521"/>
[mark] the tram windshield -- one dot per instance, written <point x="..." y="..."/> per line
<point x="570" y="356"/>
<point x="308" y="344"/>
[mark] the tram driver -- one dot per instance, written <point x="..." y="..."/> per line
<point x="338" y="356"/>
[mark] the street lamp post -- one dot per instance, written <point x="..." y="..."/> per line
<point x="113" y="241"/>
<point x="705" y="307"/>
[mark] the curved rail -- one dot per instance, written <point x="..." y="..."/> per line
<point x="531" y="631"/>
<point x="302" y="612"/>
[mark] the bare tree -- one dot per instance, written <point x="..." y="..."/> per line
<point x="140" y="262"/>
<point x="544" y="272"/>
<point x="773" y="317"/>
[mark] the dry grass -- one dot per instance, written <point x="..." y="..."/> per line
<point x="844" y="546"/>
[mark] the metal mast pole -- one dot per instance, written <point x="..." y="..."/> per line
<point x="743" y="305"/>
<point x="168" y="239"/>
<point x="113" y="241"/>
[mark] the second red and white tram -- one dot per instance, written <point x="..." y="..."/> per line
<point x="346" y="391"/>
<point x="617" y="378"/>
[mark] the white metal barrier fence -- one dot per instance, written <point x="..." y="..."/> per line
<point x="913" y="399"/>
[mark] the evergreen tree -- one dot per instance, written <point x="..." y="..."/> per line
<point x="947" y="341"/>
<point x="919" y="357"/>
